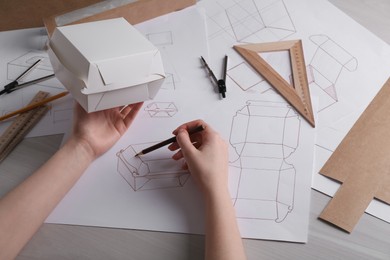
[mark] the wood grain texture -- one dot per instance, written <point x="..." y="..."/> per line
<point x="296" y="94"/>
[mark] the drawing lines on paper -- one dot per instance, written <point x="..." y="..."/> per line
<point x="161" y="109"/>
<point x="161" y="39"/>
<point x="151" y="171"/>
<point x="164" y="41"/>
<point x="245" y="76"/>
<point x="170" y="81"/>
<point x="325" y="68"/>
<point x="264" y="135"/>
<point x="22" y="63"/>
<point x="62" y="111"/>
<point x="60" y="114"/>
<point x="250" y="20"/>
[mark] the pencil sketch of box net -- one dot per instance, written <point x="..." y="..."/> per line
<point x="251" y="20"/>
<point x="22" y="63"/>
<point x="156" y="170"/>
<point x="61" y="112"/>
<point x="161" y="109"/>
<point x="325" y="68"/>
<point x="264" y="135"/>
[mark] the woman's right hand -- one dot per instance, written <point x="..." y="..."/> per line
<point x="205" y="154"/>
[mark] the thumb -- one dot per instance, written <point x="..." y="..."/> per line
<point x="184" y="141"/>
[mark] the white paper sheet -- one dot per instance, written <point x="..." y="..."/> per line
<point x="271" y="152"/>
<point x="346" y="64"/>
<point x="19" y="50"/>
<point x="103" y="197"/>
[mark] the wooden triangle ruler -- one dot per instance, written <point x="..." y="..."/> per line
<point x="298" y="94"/>
<point x="22" y="124"/>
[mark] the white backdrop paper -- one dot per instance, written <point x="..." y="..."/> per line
<point x="270" y="167"/>
<point x="346" y="66"/>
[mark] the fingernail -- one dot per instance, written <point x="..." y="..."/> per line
<point x="181" y="130"/>
<point x="175" y="131"/>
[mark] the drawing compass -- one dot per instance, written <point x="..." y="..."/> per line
<point x="15" y="85"/>
<point x="219" y="83"/>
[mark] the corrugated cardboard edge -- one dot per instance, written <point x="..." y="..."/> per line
<point x="362" y="163"/>
<point x="136" y="12"/>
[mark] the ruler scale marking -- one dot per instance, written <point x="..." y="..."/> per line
<point x="22" y="125"/>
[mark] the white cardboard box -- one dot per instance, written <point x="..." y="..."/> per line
<point x="106" y="64"/>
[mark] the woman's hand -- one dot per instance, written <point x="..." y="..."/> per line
<point x="100" y="130"/>
<point x="205" y="155"/>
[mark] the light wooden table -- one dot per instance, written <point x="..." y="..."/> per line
<point x="369" y="240"/>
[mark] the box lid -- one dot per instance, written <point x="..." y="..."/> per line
<point x="106" y="55"/>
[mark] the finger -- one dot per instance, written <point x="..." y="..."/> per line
<point x="190" y="125"/>
<point x="115" y="109"/>
<point x="197" y="145"/>
<point x="197" y="138"/>
<point x="173" y="146"/>
<point x="185" y="143"/>
<point x="125" y="110"/>
<point x="129" y="118"/>
<point x="178" y="155"/>
<point x="194" y="137"/>
<point x="185" y="166"/>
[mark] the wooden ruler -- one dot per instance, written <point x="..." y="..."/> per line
<point x="22" y="125"/>
<point x="298" y="94"/>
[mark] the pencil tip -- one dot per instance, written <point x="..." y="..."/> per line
<point x="138" y="154"/>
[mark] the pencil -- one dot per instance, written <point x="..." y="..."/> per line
<point x="35" y="105"/>
<point x="168" y="141"/>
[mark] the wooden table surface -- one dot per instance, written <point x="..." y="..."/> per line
<point x="369" y="240"/>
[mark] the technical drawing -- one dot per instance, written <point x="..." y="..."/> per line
<point x="172" y="76"/>
<point x="161" y="109"/>
<point x="151" y="171"/>
<point x="164" y="41"/>
<point x="250" y="20"/>
<point x="169" y="82"/>
<point x="161" y="38"/>
<point x="324" y="69"/>
<point x="60" y="114"/>
<point x="245" y="76"/>
<point x="263" y="135"/>
<point x="20" y="64"/>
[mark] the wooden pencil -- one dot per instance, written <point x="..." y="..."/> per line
<point x="35" y="105"/>
<point x="168" y="141"/>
